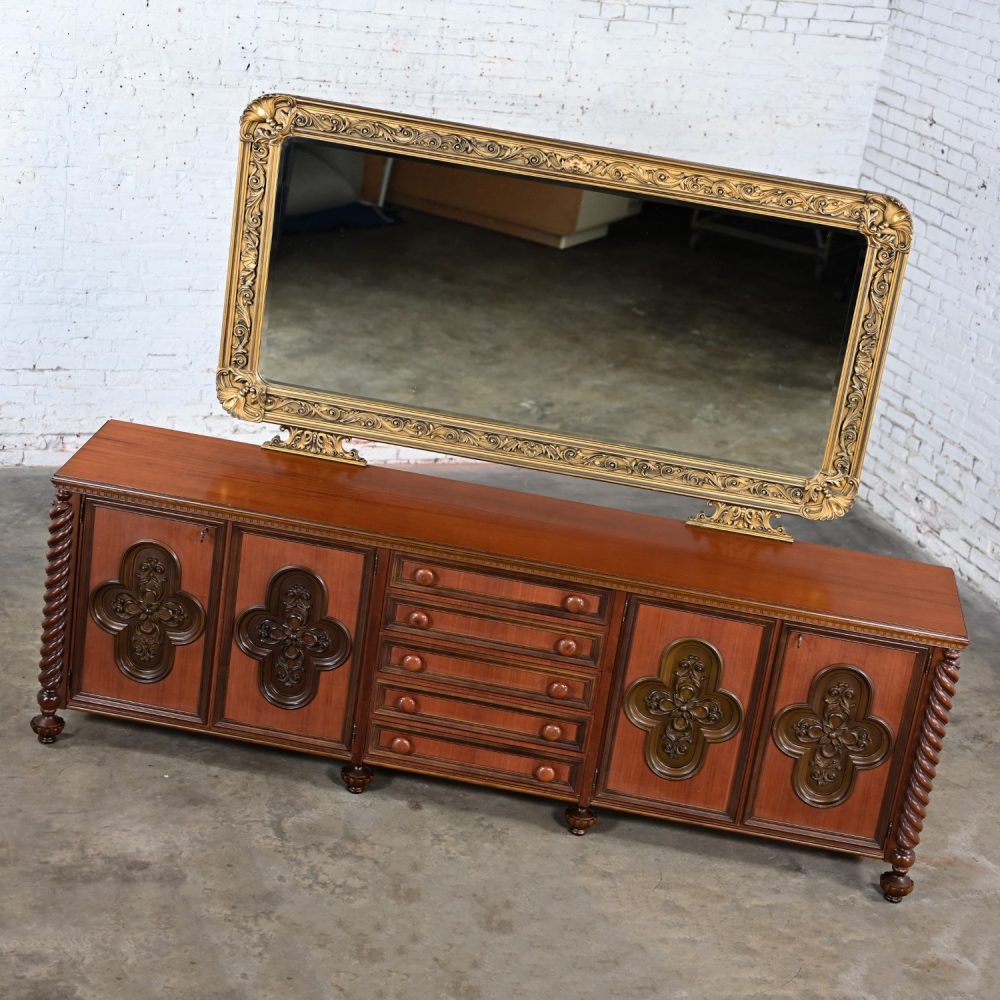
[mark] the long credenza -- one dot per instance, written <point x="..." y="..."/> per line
<point x="606" y="659"/>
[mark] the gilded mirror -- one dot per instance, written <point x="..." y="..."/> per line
<point x="586" y="311"/>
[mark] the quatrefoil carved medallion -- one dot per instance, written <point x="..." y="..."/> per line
<point x="291" y="639"/>
<point x="147" y="612"/>
<point x="683" y="709"/>
<point x="833" y="736"/>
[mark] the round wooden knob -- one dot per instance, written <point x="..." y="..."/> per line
<point x="401" y="745"/>
<point x="425" y="577"/>
<point x="551" y="732"/>
<point x="566" y="647"/>
<point x="557" y="690"/>
<point x="545" y="773"/>
<point x="407" y="704"/>
<point x="574" y="603"/>
<point x="418" y="619"/>
<point x="413" y="663"/>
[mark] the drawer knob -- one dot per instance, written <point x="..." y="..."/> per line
<point x="551" y="732"/>
<point x="566" y="647"/>
<point x="425" y="577"/>
<point x="413" y="663"/>
<point x="545" y="773"/>
<point x="557" y="689"/>
<point x="574" y="604"/>
<point x="407" y="704"/>
<point x="401" y="745"/>
<point x="418" y="619"/>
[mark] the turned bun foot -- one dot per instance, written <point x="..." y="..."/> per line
<point x="896" y="885"/>
<point x="47" y="727"/>
<point x="357" y="777"/>
<point x="580" y="820"/>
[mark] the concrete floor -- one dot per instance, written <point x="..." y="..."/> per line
<point x="731" y="352"/>
<point x="141" y="863"/>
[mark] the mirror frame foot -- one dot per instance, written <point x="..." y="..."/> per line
<point x="317" y="444"/>
<point x="742" y="520"/>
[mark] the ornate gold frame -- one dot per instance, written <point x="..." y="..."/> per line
<point x="745" y="499"/>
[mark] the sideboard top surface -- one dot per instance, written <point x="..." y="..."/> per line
<point x="815" y="579"/>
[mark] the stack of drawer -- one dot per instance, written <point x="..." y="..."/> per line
<point x="487" y="676"/>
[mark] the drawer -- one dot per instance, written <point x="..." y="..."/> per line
<point x="429" y="752"/>
<point x="537" y="638"/>
<point x="428" y="706"/>
<point x="545" y="596"/>
<point x="548" y="686"/>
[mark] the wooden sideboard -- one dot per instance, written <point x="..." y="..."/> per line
<point x="605" y="659"/>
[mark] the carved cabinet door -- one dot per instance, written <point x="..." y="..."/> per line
<point x="294" y="628"/>
<point x="834" y="737"/>
<point x="148" y="603"/>
<point x="683" y="711"/>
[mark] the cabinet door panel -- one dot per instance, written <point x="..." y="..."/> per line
<point x="841" y="714"/>
<point x="294" y="631"/>
<point x="683" y="711"/>
<point x="147" y="612"/>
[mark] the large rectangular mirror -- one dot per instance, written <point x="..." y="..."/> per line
<point x="586" y="311"/>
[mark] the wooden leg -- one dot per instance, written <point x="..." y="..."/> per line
<point x="357" y="777"/>
<point x="896" y="884"/>
<point x="47" y="726"/>
<point x="580" y="819"/>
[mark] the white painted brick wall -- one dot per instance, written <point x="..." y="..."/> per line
<point x="933" y="464"/>
<point x="117" y="177"/>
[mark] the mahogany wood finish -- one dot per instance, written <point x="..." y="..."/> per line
<point x="100" y="677"/>
<point x="553" y="648"/>
<point x="245" y="702"/>
<point x="628" y="779"/>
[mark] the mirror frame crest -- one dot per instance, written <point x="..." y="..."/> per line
<point x="745" y="499"/>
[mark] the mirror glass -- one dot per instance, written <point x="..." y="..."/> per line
<point x="553" y="306"/>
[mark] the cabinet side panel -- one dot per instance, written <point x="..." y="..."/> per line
<point x="893" y="673"/>
<point x="628" y="777"/>
<point x="344" y="573"/>
<point x="109" y="533"/>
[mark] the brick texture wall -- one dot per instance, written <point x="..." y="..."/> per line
<point x="117" y="177"/>
<point x="933" y="465"/>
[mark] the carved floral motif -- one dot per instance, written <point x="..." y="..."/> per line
<point x="291" y="639"/>
<point x="832" y="737"/>
<point x="683" y="709"/>
<point x="147" y="612"/>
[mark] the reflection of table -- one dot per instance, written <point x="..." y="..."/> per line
<point x="813" y="241"/>
<point x="578" y="653"/>
<point x="552" y="214"/>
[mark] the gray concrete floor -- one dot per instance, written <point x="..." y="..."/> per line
<point x="138" y="862"/>
<point x="731" y="352"/>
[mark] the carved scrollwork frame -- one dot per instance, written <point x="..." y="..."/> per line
<point x="742" y="491"/>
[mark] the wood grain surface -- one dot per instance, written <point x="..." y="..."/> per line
<point x="627" y="776"/>
<point x="197" y="547"/>
<point x="852" y="586"/>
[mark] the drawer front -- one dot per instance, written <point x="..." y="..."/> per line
<point x="541" y="728"/>
<point x="147" y="612"/>
<point x="294" y="629"/>
<point x="421" y="751"/>
<point x="547" y="597"/>
<point x="566" y="644"/>
<point x="547" y="686"/>
<point x="684" y="711"/>
<point x="835" y="735"/>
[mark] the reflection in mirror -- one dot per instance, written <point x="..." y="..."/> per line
<point x="709" y="333"/>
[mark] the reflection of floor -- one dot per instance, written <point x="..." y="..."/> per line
<point x="625" y="339"/>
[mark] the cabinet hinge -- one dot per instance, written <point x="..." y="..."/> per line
<point x="593" y="785"/>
